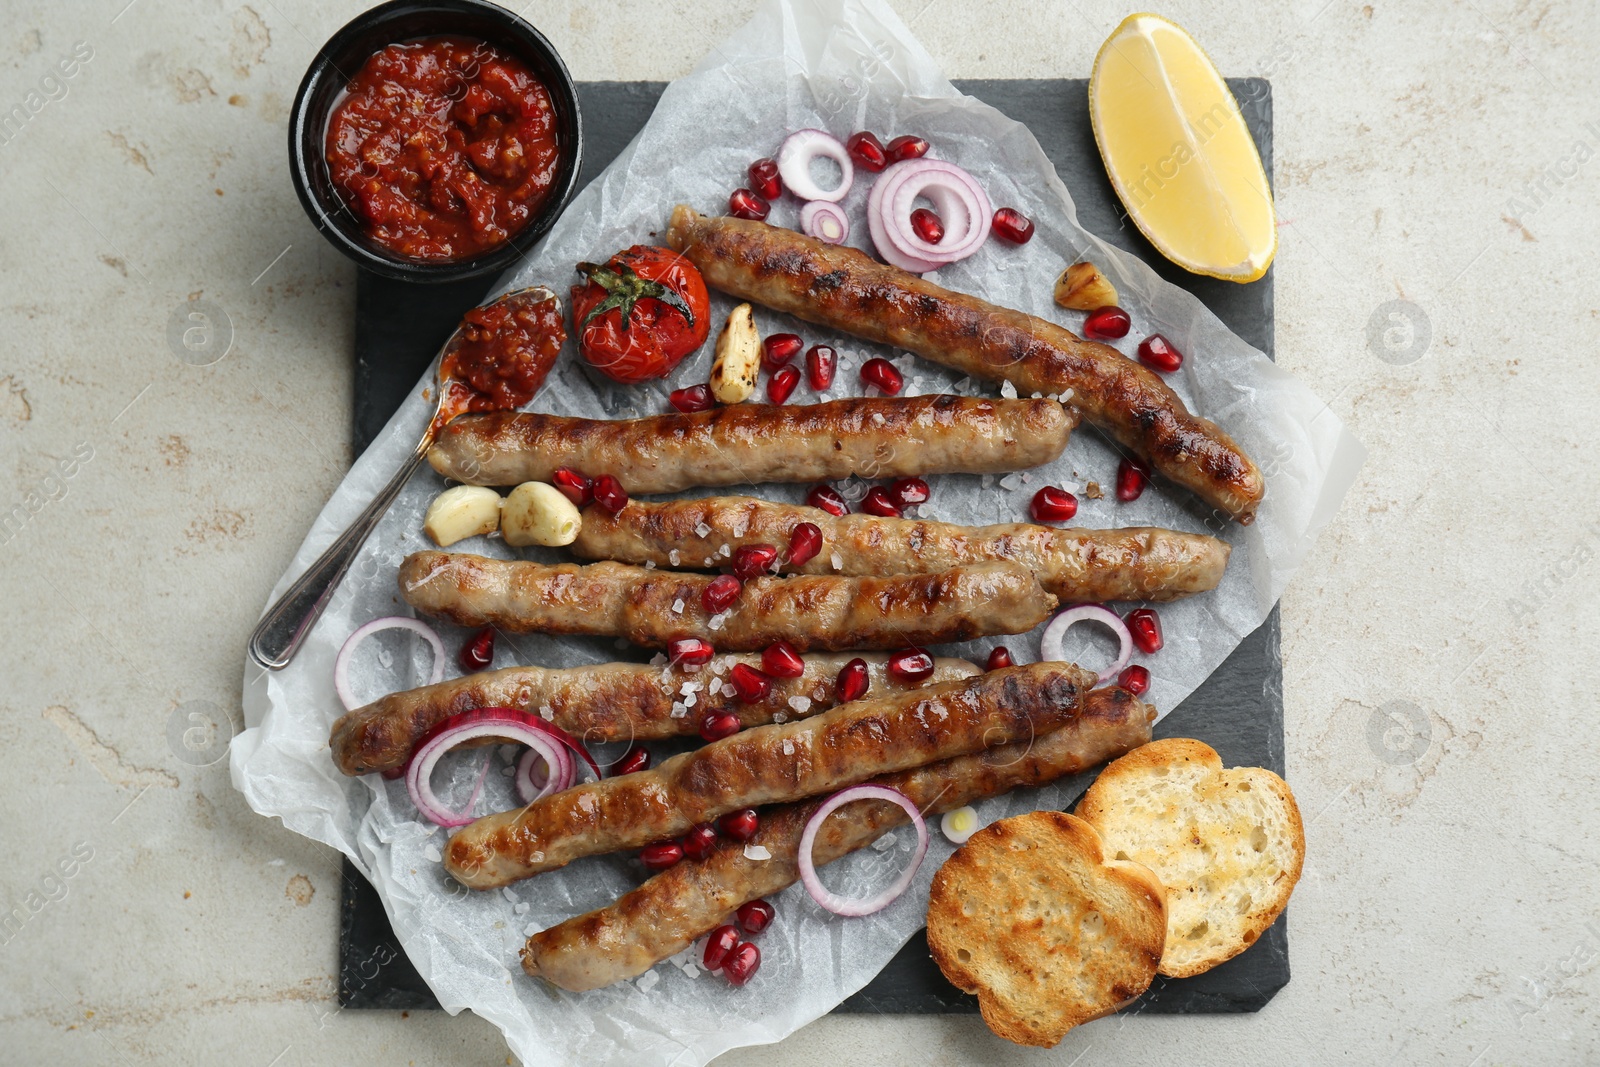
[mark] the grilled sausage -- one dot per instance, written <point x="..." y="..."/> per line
<point x="663" y="916"/>
<point x="610" y="702"/>
<point x="840" y="287"/>
<point x="874" y="437"/>
<point x="1078" y="566"/>
<point x="768" y="765"/>
<point x="653" y="607"/>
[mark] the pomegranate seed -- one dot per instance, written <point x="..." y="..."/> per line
<point x="1051" y="504"/>
<point x="1131" y="480"/>
<point x="906" y="147"/>
<point x="739" y="825"/>
<point x="779" y="349"/>
<point x="1013" y="225"/>
<point x="1145" y="626"/>
<point x="909" y="492"/>
<point x="609" y="494"/>
<point x="910" y="664"/>
<point x="700" y="842"/>
<point x="744" y="204"/>
<point x="927" y="225"/>
<point x="828" y="499"/>
<point x="878" y="502"/>
<point x="999" y="658"/>
<point x="691" y="399"/>
<point x="805" y="541"/>
<point x="751" y="560"/>
<point x="692" y="651"/>
<point x="853" y="681"/>
<point x="820" y="364"/>
<point x="781" y="661"/>
<point x="720" y="592"/>
<point x="781" y="385"/>
<point x="394" y="772"/>
<point x="1106" y="324"/>
<point x="720" y="724"/>
<point x="1135" y="679"/>
<point x="574" y="486"/>
<point x="1158" y="353"/>
<point x="478" y="652"/>
<point x="755" y="915"/>
<point x="879" y="372"/>
<point x="741" y="963"/>
<point x="763" y="175"/>
<point x="867" y="151"/>
<point x="660" y="856"/>
<point x="718" y="945"/>
<point x="635" y="759"/>
<point x="749" y="684"/>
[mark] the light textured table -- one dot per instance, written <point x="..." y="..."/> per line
<point x="1433" y="163"/>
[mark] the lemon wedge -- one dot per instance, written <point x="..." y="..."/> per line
<point x="1178" y="152"/>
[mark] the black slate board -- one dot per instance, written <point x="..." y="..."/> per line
<point x="1238" y="711"/>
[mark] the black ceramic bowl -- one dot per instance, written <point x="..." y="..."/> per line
<point x="343" y="56"/>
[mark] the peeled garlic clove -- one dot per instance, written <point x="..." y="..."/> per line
<point x="738" y="363"/>
<point x="460" y="512"/>
<point x="539" y="514"/>
<point x="1082" y="287"/>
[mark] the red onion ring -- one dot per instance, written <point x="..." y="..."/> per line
<point x="558" y="768"/>
<point x="480" y="724"/>
<point x="956" y="195"/>
<point x="891" y="253"/>
<point x="341" y="663"/>
<point x="820" y="893"/>
<point x="794" y="164"/>
<point x="1052" y="643"/>
<point x="826" y="221"/>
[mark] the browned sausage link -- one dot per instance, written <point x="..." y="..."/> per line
<point x="840" y="287"/>
<point x="875" y="437"/>
<point x="664" y="915"/>
<point x="608" y="702"/>
<point x="768" y="765"/>
<point x="653" y="607"/>
<point x="1079" y="566"/>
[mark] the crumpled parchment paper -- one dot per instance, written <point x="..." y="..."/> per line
<point x="841" y="65"/>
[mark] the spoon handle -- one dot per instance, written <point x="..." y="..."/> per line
<point x="278" y="635"/>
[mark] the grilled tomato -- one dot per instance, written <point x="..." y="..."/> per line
<point x="640" y="314"/>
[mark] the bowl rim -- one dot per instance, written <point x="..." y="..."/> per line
<point x="339" y="226"/>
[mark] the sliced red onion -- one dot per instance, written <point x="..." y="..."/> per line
<point x="826" y="221"/>
<point x="341" y="662"/>
<point x="484" y="724"/>
<point x="545" y="768"/>
<point x="808" y="870"/>
<point x="891" y="252"/>
<point x="956" y="195"/>
<point x="962" y="205"/>
<point x="1052" y="646"/>
<point x="794" y="164"/>
<point x="959" y="825"/>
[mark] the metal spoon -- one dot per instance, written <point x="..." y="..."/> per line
<point x="278" y="635"/>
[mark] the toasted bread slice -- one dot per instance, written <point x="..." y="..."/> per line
<point x="1031" y="916"/>
<point x="1227" y="844"/>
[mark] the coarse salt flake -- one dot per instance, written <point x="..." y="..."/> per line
<point x="647" y="981"/>
<point x="702" y="530"/>
<point x="677" y="606"/>
<point x="1008" y="390"/>
<point x="674" y="557"/>
<point x="800" y="704"/>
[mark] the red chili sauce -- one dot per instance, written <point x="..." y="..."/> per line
<point x="444" y="147"/>
<point x="503" y="356"/>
